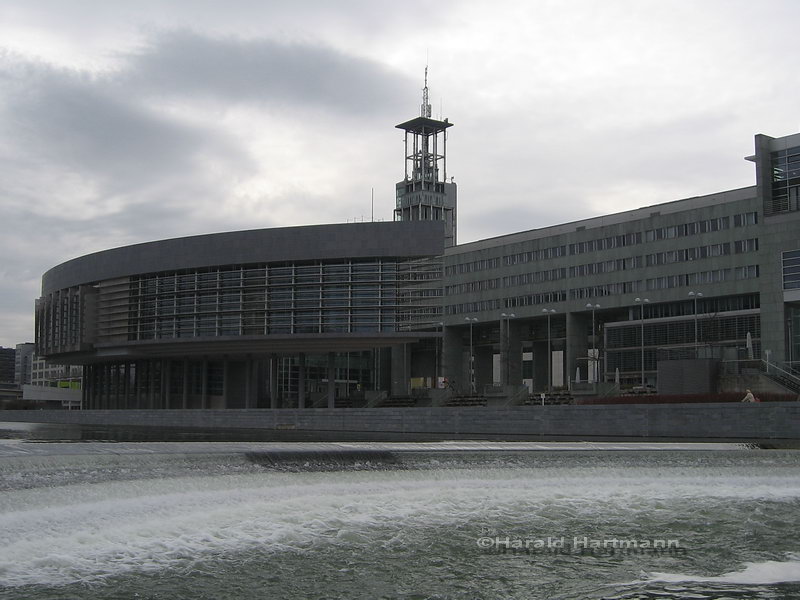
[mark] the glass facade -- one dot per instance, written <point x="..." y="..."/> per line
<point x="380" y="295"/>
<point x="785" y="181"/>
<point x="791" y="270"/>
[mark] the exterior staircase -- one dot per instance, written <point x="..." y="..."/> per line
<point x="782" y="374"/>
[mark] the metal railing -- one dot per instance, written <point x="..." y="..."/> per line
<point x="781" y="373"/>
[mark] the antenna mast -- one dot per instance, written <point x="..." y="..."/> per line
<point x="425" y="109"/>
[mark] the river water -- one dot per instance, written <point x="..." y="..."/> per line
<point x="447" y="521"/>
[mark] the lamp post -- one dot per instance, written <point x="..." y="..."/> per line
<point x="595" y="373"/>
<point x="471" y="321"/>
<point x="695" y="296"/>
<point x="505" y="325"/>
<point x="548" y="312"/>
<point x="642" y="302"/>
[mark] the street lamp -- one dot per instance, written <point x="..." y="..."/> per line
<point x="471" y="321"/>
<point x="595" y="373"/>
<point x="696" y="295"/>
<point x="505" y="344"/>
<point x="642" y="301"/>
<point x="548" y="312"/>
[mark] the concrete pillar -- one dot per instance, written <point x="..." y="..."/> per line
<point x="226" y="375"/>
<point x="166" y="371"/>
<point x="273" y="381"/>
<point x="86" y="387"/>
<point x="137" y="383"/>
<point x="301" y="380"/>
<point x="385" y="369"/>
<point x="401" y="370"/>
<point x="577" y="344"/>
<point x="484" y="367"/>
<point x="539" y="348"/>
<point x="126" y="385"/>
<point x="454" y="364"/>
<point x="107" y="387"/>
<point x="204" y="384"/>
<point x="248" y="382"/>
<point x="510" y="352"/>
<point x="117" y="388"/>
<point x="151" y="372"/>
<point x="331" y="380"/>
<point x="185" y="395"/>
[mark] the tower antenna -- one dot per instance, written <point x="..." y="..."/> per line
<point x="425" y="109"/>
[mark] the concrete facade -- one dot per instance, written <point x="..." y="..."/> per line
<point x="714" y="277"/>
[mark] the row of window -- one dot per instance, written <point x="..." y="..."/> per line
<point x="710" y="329"/>
<point x="535" y="255"/>
<point x="702" y="277"/>
<point x="260" y="323"/>
<point x="267" y="275"/>
<point x="347" y="296"/>
<point x="471" y="307"/>
<point x="535" y="277"/>
<point x="701" y="252"/>
<point x="704" y="306"/>
<point x="609" y="289"/>
<point x="685" y="229"/>
<point x="478" y="265"/>
<point x="632" y="287"/>
<point x="472" y="286"/>
<point x="534" y="299"/>
<point x="608" y="266"/>
<point x="744" y="219"/>
<point x="607" y="243"/>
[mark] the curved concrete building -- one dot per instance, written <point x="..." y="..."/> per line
<point x="262" y="318"/>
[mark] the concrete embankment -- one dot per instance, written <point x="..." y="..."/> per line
<point x="756" y="423"/>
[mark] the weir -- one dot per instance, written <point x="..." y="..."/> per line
<point x="702" y="422"/>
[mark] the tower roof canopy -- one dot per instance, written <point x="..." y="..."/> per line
<point x="423" y="125"/>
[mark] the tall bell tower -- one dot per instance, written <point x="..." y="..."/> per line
<point x="425" y="194"/>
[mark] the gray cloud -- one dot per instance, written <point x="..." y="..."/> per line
<point x="263" y="71"/>
<point x="91" y="160"/>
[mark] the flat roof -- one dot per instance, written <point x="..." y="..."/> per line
<point x="423" y="125"/>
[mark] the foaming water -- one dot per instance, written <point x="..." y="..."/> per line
<point x="753" y="573"/>
<point x="397" y="525"/>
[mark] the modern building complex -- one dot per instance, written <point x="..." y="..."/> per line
<point x="333" y="315"/>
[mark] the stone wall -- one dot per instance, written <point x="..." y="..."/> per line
<point x="660" y="422"/>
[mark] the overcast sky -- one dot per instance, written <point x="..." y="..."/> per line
<point x="123" y="122"/>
